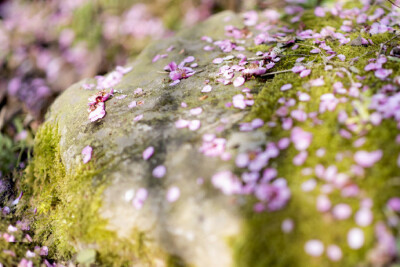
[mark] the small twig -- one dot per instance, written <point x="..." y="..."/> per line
<point x="295" y="55"/>
<point x="276" y="72"/>
<point x="388" y="41"/>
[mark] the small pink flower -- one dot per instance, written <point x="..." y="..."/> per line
<point x="87" y="154"/>
<point x="148" y="152"/>
<point x="159" y="171"/>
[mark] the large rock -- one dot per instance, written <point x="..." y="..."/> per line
<point x="89" y="206"/>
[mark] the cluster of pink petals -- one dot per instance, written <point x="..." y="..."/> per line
<point x="112" y="79"/>
<point x="213" y="146"/>
<point x="367" y="159"/>
<point x="192" y="125"/>
<point x="227" y="182"/>
<point x="140" y="198"/>
<point x="179" y="72"/>
<point x="275" y="194"/>
<point x="239" y="101"/>
<point x="300" y="138"/>
<point x="96" y="104"/>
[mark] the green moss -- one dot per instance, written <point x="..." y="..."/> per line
<point x="262" y="243"/>
<point x="68" y="203"/>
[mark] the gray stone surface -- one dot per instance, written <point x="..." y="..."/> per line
<point x="197" y="226"/>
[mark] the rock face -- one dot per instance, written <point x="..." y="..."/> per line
<point x="197" y="225"/>
<point x="292" y="169"/>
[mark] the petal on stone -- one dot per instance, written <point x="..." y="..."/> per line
<point x="148" y="152"/>
<point x="87" y="154"/>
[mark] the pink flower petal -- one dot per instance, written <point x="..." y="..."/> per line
<point x="140" y="198"/>
<point x="218" y="60"/>
<point x="132" y="104"/>
<point x="363" y="217"/>
<point x="87" y="154"/>
<point x="173" y="194"/>
<point x="286" y="87"/>
<point x="287" y="226"/>
<point x="239" y="81"/>
<point x="367" y="159"/>
<point x="341" y="211"/>
<point x="206" y="89"/>
<point x="334" y="253"/>
<point x="159" y="171"/>
<point x="355" y="238"/>
<point x="196" y="111"/>
<point x="314" y="248"/>
<point x="98" y="113"/>
<point x="194" y="125"/>
<point x="148" y="152"/>
<point x="394" y="204"/>
<point x="138" y="117"/>
<point x="305" y="73"/>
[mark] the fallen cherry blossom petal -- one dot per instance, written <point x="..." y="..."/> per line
<point x="206" y="89"/>
<point x="355" y="238"/>
<point x="367" y="159"/>
<point x="286" y="87"/>
<point x="87" y="154"/>
<point x="334" y="253"/>
<point x="239" y="81"/>
<point x="159" y="171"/>
<point x="148" y="152"/>
<point x="314" y="248"/>
<point x="173" y="194"/>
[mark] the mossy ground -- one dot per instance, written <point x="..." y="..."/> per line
<point x="67" y="203"/>
<point x="262" y="242"/>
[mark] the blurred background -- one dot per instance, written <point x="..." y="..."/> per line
<point x="45" y="46"/>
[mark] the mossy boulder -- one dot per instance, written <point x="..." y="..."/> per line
<point x="86" y="209"/>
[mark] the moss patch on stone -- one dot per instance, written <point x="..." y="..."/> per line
<point x="67" y="203"/>
<point x="262" y="242"/>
